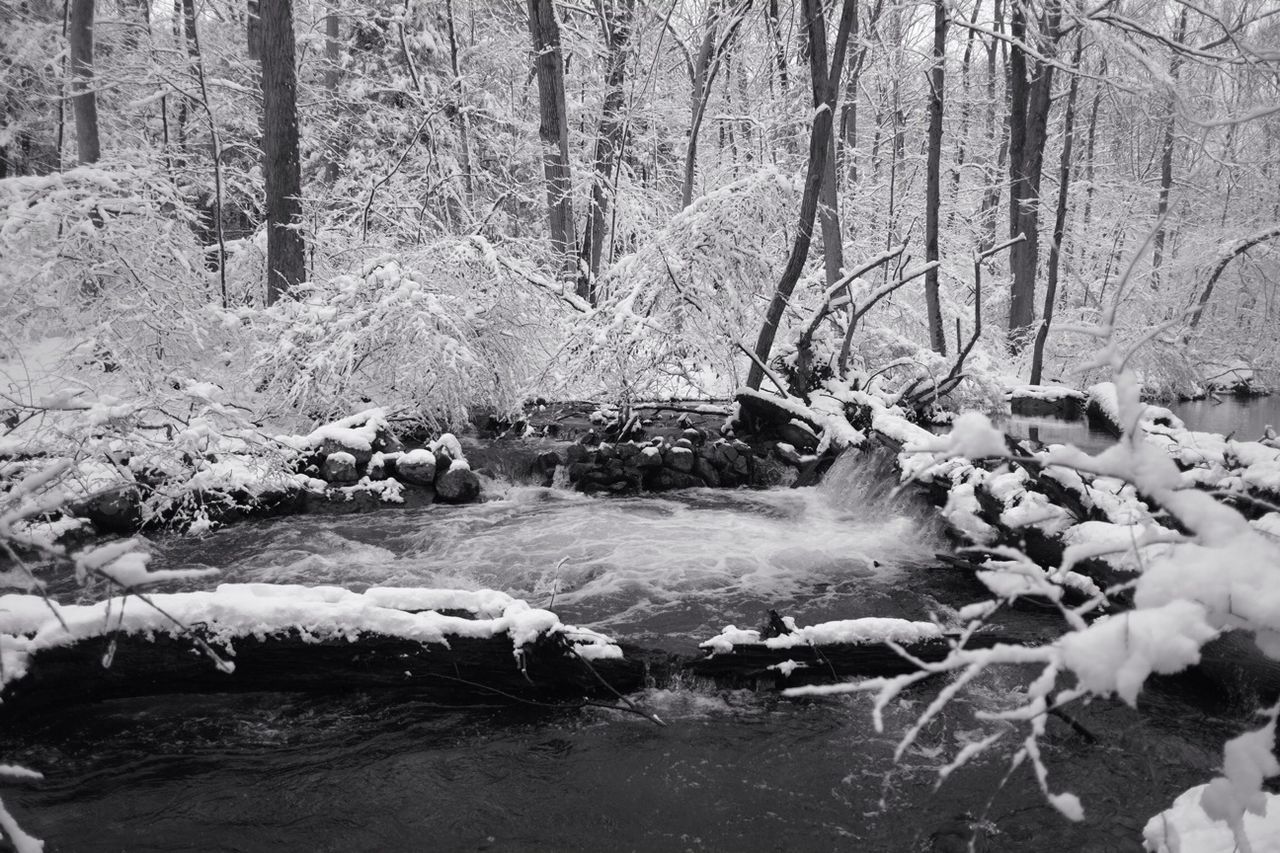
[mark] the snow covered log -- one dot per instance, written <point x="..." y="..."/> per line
<point x="445" y="645"/>
<point x="1053" y="400"/>
<point x="789" y="655"/>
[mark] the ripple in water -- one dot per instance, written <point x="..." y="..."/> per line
<point x="676" y="567"/>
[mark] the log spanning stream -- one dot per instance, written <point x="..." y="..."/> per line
<point x="734" y="770"/>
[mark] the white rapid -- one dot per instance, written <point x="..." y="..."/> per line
<point x="674" y="566"/>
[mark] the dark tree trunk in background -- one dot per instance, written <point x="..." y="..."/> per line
<point x="185" y="24"/>
<point x="825" y="86"/>
<point x="616" y="18"/>
<point x="1028" y="117"/>
<point x="553" y="130"/>
<point x="332" y="56"/>
<point x="701" y="91"/>
<point x="1059" y="222"/>
<point x="253" y="30"/>
<point x="933" y="189"/>
<point x="1166" y="156"/>
<point x="135" y="22"/>
<point x="83" y="99"/>
<point x="286" y="262"/>
<point x="775" y="37"/>
<point x="460" y="112"/>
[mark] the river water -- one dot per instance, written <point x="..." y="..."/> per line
<point x="733" y="770"/>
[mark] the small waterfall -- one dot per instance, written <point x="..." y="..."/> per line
<point x="865" y="483"/>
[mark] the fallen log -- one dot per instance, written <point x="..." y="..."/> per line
<point x="445" y="645"/>
<point x="786" y="655"/>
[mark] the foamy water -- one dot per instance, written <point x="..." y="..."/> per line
<point x="682" y="565"/>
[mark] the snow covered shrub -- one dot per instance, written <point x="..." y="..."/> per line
<point x="109" y="258"/>
<point x="165" y="457"/>
<point x="673" y="311"/>
<point x="898" y="364"/>
<point x="426" y="335"/>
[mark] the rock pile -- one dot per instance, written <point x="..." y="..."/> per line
<point x="658" y="465"/>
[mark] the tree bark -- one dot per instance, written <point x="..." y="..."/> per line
<point x="332" y="74"/>
<point x="1166" y="157"/>
<point x="553" y="130"/>
<point x="775" y="39"/>
<point x="185" y="24"/>
<point x="460" y="113"/>
<point x="84" y="100"/>
<point x="616" y="17"/>
<point x="829" y="215"/>
<point x="701" y="92"/>
<point x="286" y="262"/>
<point x="1059" y="222"/>
<point x="933" y="189"/>
<point x="1029" y="114"/>
<point x="826" y="85"/>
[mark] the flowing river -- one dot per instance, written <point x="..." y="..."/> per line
<point x="733" y="770"/>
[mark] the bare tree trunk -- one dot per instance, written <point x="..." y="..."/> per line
<point x="460" y="112"/>
<point x="286" y="252"/>
<point x="615" y="16"/>
<point x="933" y="190"/>
<point x="1060" y="220"/>
<point x="553" y="130"/>
<point x="829" y="215"/>
<point x="332" y="74"/>
<point x="135" y="22"/>
<point x="965" y="107"/>
<point x="83" y="99"/>
<point x="1090" y="140"/>
<point x="1030" y="100"/>
<point x="700" y="94"/>
<point x="1166" y="157"/>
<point x="826" y="85"/>
<point x="185" y="25"/>
<point x="775" y="38"/>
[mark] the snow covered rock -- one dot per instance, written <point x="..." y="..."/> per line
<point x="417" y="467"/>
<point x="339" y="467"/>
<point x="457" y="485"/>
<point x="681" y="459"/>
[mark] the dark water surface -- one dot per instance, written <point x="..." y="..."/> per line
<point x="1246" y="418"/>
<point x="733" y="770"/>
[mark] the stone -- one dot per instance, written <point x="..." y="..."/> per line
<point x="458" y="485"/>
<point x="579" y="471"/>
<point x="574" y="453"/>
<point x="359" y="456"/>
<point x="667" y="479"/>
<point x="787" y="454"/>
<point x="695" y="435"/>
<point x="650" y="457"/>
<point x="681" y="459"/>
<point x="707" y="472"/>
<point x="339" y="467"/>
<point x="417" y="467"/>
<point x="383" y="466"/>
<point x="627" y="450"/>
<point x="443" y="461"/>
<point x="685" y="443"/>
<point x="799" y="435"/>
<point x="549" y="460"/>
<point x="117" y="510"/>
